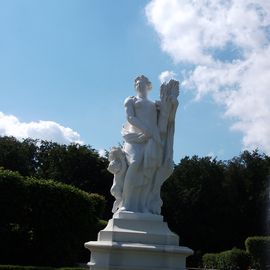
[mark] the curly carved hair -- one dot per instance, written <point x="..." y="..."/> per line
<point x="116" y="153"/>
<point x="144" y="80"/>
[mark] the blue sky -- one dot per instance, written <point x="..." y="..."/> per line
<point x="73" y="63"/>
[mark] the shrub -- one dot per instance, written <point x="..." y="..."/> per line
<point x="45" y="222"/>
<point x="233" y="259"/>
<point x="227" y="260"/>
<point x="19" y="267"/>
<point x="210" y="260"/>
<point x="259" y="249"/>
<point x="101" y="224"/>
<point x="98" y="203"/>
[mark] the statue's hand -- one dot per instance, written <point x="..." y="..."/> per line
<point x="143" y="138"/>
<point x="147" y="133"/>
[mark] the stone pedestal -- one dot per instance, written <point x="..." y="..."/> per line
<point x="137" y="241"/>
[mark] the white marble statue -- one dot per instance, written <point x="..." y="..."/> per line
<point x="136" y="237"/>
<point x="146" y="158"/>
<point x="118" y="167"/>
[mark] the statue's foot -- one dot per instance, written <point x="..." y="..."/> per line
<point x="123" y="208"/>
<point x="115" y="206"/>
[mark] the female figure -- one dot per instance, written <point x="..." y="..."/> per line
<point x="142" y="146"/>
<point x="148" y="148"/>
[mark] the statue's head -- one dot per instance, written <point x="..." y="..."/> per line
<point x="142" y="85"/>
<point x="116" y="153"/>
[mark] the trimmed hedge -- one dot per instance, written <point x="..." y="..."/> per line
<point x="19" y="267"/>
<point x="234" y="259"/>
<point x="210" y="260"/>
<point x="45" y="222"/>
<point x="227" y="260"/>
<point x="259" y="249"/>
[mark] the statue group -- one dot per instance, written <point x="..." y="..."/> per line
<point x="137" y="237"/>
<point x="145" y="160"/>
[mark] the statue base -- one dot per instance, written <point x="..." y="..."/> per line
<point x="137" y="241"/>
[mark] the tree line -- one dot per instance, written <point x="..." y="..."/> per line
<point x="73" y="164"/>
<point x="213" y="205"/>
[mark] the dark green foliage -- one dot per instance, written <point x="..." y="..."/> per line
<point x="45" y="222"/>
<point x="215" y="205"/>
<point x="101" y="224"/>
<point x="259" y="248"/>
<point x="18" y="156"/>
<point x="212" y="205"/>
<point x="234" y="259"/>
<point x="227" y="260"/>
<point x="98" y="203"/>
<point x="210" y="260"/>
<point x="20" y="267"/>
<point x="74" y="164"/>
<point x="194" y="203"/>
<point x="247" y="191"/>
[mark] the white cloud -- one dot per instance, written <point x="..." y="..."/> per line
<point x="102" y="152"/>
<point x="211" y="155"/>
<point x="45" y="130"/>
<point x="228" y="44"/>
<point x="166" y="75"/>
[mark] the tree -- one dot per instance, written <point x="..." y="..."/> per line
<point x="246" y="184"/>
<point x="18" y="156"/>
<point x="77" y="165"/>
<point x="74" y="164"/>
<point x="194" y="202"/>
<point x="45" y="222"/>
<point x="215" y="205"/>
